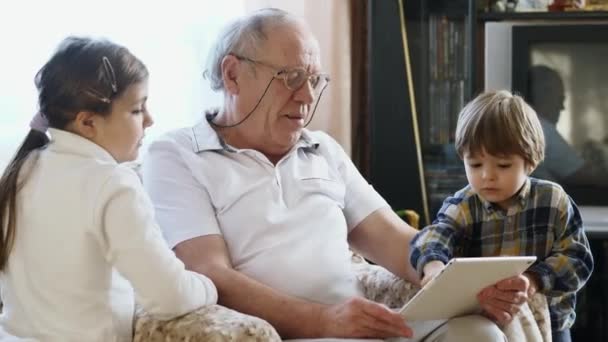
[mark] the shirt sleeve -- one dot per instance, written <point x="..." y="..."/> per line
<point x="437" y="241"/>
<point x="132" y="242"/>
<point x="183" y="206"/>
<point x="570" y="263"/>
<point x="360" y="198"/>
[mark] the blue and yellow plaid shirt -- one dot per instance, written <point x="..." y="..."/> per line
<point x="543" y="221"/>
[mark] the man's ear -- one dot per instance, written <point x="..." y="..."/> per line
<point x="230" y="72"/>
<point x="87" y="124"/>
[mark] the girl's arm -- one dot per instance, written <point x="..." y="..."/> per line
<point x="133" y="243"/>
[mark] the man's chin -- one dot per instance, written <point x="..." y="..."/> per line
<point x="295" y="136"/>
<point x="289" y="140"/>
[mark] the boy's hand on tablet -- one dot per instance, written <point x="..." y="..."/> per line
<point x="431" y="270"/>
<point x="533" y="279"/>
<point x="503" y="300"/>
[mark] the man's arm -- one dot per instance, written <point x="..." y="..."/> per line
<point x="384" y="238"/>
<point x="292" y="317"/>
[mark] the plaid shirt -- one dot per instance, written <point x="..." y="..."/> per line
<point x="543" y="221"/>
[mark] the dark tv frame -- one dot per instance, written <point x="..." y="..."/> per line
<point x="524" y="37"/>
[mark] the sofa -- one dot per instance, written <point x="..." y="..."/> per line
<point x="218" y="323"/>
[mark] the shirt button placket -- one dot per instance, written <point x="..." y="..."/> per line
<point x="277" y="178"/>
<point x="277" y="181"/>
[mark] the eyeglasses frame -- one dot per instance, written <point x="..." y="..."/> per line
<point x="280" y="73"/>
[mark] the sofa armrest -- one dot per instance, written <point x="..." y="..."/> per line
<point x="380" y="285"/>
<point x="532" y="323"/>
<point x="540" y="310"/>
<point x="210" y="323"/>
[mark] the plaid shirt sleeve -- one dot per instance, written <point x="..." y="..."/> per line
<point x="570" y="263"/>
<point x="437" y="241"/>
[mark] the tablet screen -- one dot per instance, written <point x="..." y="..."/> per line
<point x="453" y="292"/>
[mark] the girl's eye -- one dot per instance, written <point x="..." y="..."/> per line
<point x="137" y="111"/>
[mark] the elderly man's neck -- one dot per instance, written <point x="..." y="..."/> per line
<point x="232" y="137"/>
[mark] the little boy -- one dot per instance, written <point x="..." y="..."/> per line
<point x="503" y="211"/>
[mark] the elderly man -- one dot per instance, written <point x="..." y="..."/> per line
<point x="268" y="210"/>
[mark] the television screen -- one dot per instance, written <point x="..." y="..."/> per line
<point x="568" y="88"/>
<point x="561" y="71"/>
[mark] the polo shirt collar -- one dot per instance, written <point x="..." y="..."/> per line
<point x="307" y="140"/>
<point x="207" y="139"/>
<point x="67" y="142"/>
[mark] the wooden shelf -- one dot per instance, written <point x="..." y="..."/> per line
<point x="574" y="15"/>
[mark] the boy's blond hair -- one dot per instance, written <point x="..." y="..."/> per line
<point x="500" y="124"/>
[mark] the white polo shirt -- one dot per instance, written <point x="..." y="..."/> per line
<point x="84" y="227"/>
<point x="285" y="225"/>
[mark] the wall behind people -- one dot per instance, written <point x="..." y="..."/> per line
<point x="171" y="37"/>
<point x="329" y="22"/>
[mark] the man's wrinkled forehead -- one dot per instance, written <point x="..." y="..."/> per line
<point x="293" y="46"/>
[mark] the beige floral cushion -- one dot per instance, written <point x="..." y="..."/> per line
<point x="211" y="323"/>
<point x="381" y="286"/>
<point x="532" y="323"/>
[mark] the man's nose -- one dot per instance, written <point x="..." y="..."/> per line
<point x="305" y="94"/>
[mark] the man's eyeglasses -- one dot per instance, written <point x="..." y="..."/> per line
<point x="294" y="78"/>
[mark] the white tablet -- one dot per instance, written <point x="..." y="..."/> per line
<point x="453" y="292"/>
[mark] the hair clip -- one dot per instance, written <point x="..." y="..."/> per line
<point x="110" y="73"/>
<point x="94" y="93"/>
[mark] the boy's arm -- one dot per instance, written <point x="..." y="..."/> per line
<point x="570" y="263"/>
<point x="437" y="241"/>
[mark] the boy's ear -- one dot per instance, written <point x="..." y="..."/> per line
<point x="530" y="168"/>
<point x="86" y="124"/>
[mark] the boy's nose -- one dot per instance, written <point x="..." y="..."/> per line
<point x="488" y="174"/>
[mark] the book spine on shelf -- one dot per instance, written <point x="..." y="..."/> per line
<point x="447" y="43"/>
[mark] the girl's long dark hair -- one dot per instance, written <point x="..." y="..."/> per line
<point x="9" y="187"/>
<point x="84" y="74"/>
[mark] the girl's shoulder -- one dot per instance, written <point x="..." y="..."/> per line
<point x="122" y="175"/>
<point x="104" y="177"/>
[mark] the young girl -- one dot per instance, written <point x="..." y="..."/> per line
<point x="74" y="220"/>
